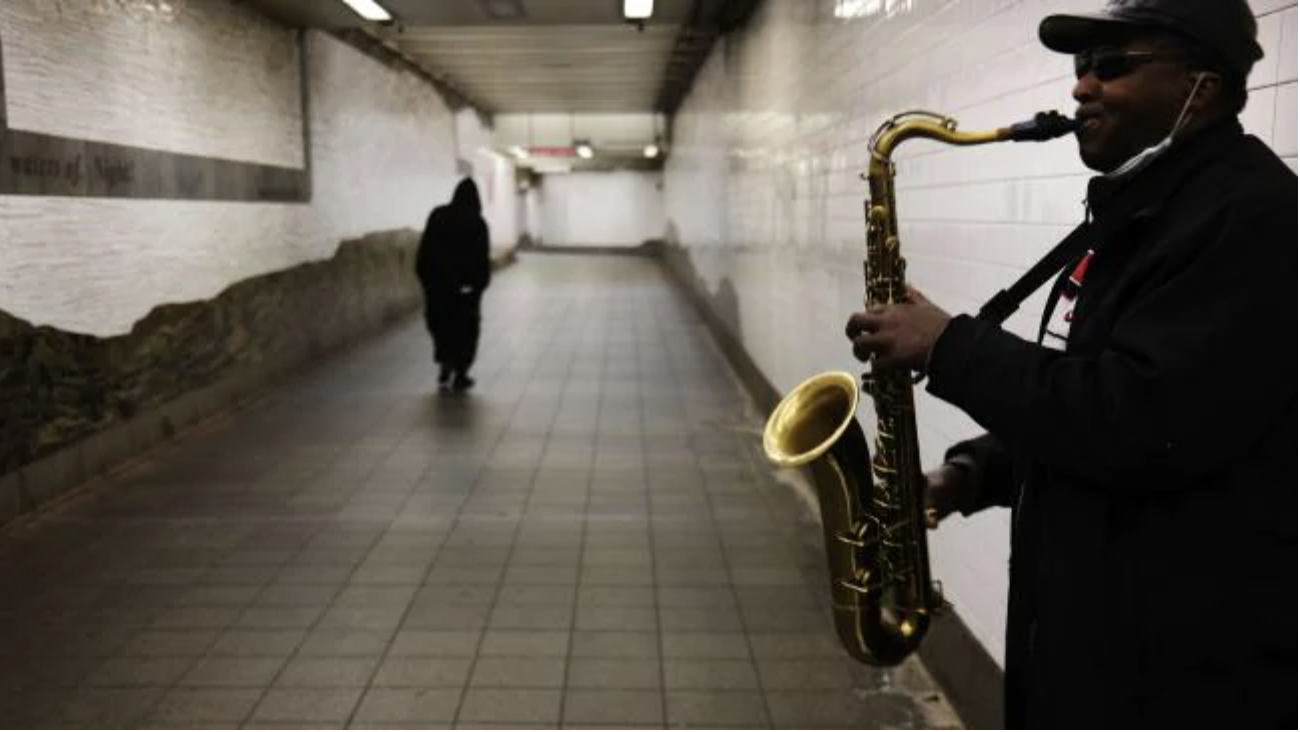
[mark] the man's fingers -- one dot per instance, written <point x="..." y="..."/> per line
<point x="867" y="345"/>
<point x="860" y="323"/>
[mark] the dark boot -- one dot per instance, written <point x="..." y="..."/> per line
<point x="445" y="375"/>
<point x="462" y="382"/>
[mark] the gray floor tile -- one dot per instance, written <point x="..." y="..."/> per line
<point x="202" y="595"/>
<point x="699" y="675"/>
<point x="344" y="642"/>
<point x="842" y="710"/>
<point x="523" y="672"/>
<point x="307" y="705"/>
<point x="692" y="619"/>
<point x="613" y="707"/>
<point x="510" y="705"/>
<point x="145" y="671"/>
<point x="170" y="643"/>
<point x="440" y="616"/>
<point x="402" y="575"/>
<point x="820" y="674"/>
<point x="542" y="574"/>
<point x="687" y="596"/>
<point x="408" y="705"/>
<point x="195" y="617"/>
<point x="699" y="645"/>
<point x="361" y="618"/>
<point x="613" y="596"/>
<point x="429" y="672"/>
<point x="206" y="705"/>
<point x="232" y="672"/>
<point x="327" y="671"/>
<point x="412" y="642"/>
<point x="269" y="643"/>
<point x="806" y="645"/>
<point x="512" y="594"/>
<point x="111" y="708"/>
<point x="375" y="596"/>
<point x="602" y="617"/>
<point x="531" y="617"/>
<point x="615" y="644"/>
<point x="272" y="618"/>
<point x="717" y="708"/>
<point x="619" y="576"/>
<point x="614" y="673"/>
<point x="525" y="643"/>
<point x="456" y="595"/>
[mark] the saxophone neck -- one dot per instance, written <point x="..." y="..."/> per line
<point x="1044" y="126"/>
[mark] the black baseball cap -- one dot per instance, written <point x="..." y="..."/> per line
<point x="1226" y="29"/>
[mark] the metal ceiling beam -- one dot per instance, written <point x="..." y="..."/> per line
<point x="709" y="20"/>
<point x="378" y="50"/>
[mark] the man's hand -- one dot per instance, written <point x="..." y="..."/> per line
<point x="943" y="491"/>
<point x="897" y="336"/>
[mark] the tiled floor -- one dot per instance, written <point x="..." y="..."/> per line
<point x="589" y="538"/>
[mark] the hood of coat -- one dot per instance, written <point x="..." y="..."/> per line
<point x="466" y="197"/>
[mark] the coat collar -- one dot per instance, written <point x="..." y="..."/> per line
<point x="1160" y="181"/>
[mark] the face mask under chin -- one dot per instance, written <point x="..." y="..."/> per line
<point x="1149" y="155"/>
<point x="1141" y="160"/>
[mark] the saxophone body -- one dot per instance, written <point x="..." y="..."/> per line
<point x="872" y="502"/>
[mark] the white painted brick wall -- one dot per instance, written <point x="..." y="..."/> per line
<point x="383" y="146"/>
<point x="213" y="80"/>
<point x="763" y="187"/>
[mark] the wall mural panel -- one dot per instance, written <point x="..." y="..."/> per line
<point x="39" y="164"/>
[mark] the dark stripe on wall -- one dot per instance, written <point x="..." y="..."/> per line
<point x="38" y="164"/>
<point x="4" y="106"/>
<point x="304" y="97"/>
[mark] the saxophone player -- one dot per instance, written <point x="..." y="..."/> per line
<point x="1146" y="441"/>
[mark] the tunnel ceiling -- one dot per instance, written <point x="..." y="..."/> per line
<point x="577" y="56"/>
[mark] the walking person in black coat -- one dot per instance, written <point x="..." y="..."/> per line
<point x="454" y="269"/>
<point x="1146" y="442"/>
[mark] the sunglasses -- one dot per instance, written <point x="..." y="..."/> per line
<point x="1109" y="65"/>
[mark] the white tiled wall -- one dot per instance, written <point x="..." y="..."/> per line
<point x="494" y="175"/>
<point x="617" y="208"/>
<point x="763" y="188"/>
<point x="213" y="79"/>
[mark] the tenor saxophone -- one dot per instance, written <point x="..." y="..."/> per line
<point x="873" y="519"/>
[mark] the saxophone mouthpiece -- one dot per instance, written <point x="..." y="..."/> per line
<point x="1044" y="126"/>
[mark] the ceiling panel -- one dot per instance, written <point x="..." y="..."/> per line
<point x="556" y="68"/>
<point x="508" y="56"/>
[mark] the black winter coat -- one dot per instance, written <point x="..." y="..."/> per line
<point x="454" y="248"/>
<point x="1151" y="466"/>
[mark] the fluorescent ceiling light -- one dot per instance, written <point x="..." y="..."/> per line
<point x="369" y="9"/>
<point x="638" y="9"/>
<point x="651" y="151"/>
